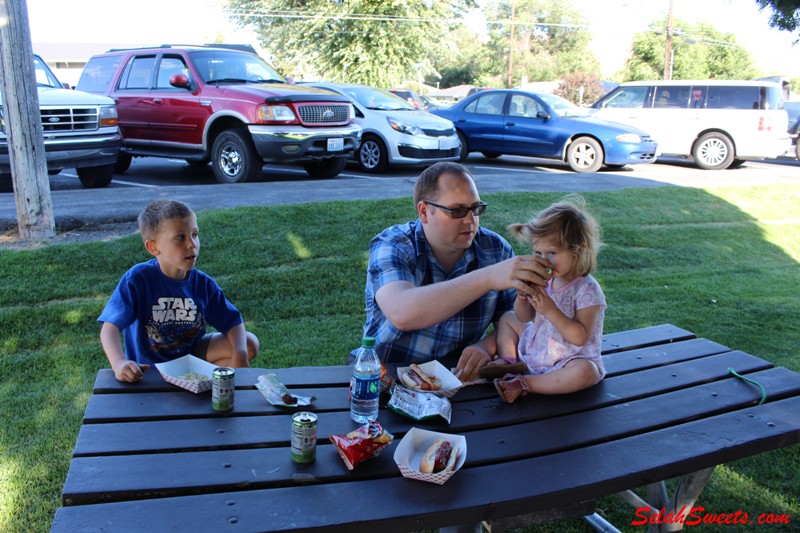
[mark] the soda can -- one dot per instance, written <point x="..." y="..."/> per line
<point x="222" y="388"/>
<point x="304" y="437"/>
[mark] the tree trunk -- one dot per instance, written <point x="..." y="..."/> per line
<point x="23" y="124"/>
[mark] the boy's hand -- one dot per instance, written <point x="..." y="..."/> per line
<point x="129" y="372"/>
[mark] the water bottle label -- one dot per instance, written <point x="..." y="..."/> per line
<point x="366" y="389"/>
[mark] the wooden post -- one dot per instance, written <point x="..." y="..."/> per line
<point x="23" y="124"/>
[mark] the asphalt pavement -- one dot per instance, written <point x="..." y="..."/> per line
<point x="79" y="207"/>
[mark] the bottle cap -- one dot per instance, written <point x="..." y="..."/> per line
<point x="368" y="341"/>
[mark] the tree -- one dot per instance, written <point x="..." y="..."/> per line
<point x="375" y="42"/>
<point x="785" y="14"/>
<point x="550" y="40"/>
<point x="698" y="52"/>
<point x="580" y="88"/>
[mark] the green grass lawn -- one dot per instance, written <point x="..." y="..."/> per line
<point x="722" y="263"/>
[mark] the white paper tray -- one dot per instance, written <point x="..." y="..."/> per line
<point x="414" y="445"/>
<point x="450" y="383"/>
<point x="172" y="371"/>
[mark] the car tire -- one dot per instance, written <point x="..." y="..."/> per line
<point x="713" y="151"/>
<point x="736" y="163"/>
<point x="96" y="177"/>
<point x="585" y="154"/>
<point x="123" y="163"/>
<point x="330" y="167"/>
<point x="234" y="158"/>
<point x="372" y="155"/>
<point x="53" y="172"/>
<point x="463" y="152"/>
<point x="491" y="155"/>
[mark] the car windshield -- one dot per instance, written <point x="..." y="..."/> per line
<point x="377" y="99"/>
<point x="215" y="66"/>
<point x="563" y="107"/>
<point x="44" y="76"/>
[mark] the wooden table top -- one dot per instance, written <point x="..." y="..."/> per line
<point x="151" y="456"/>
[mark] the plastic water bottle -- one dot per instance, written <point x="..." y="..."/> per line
<point x="365" y="386"/>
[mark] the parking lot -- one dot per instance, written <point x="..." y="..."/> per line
<point x="150" y="178"/>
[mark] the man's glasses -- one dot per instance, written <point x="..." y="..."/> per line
<point x="460" y="212"/>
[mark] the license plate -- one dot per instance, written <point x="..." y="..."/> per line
<point x="335" y="145"/>
<point x="447" y="144"/>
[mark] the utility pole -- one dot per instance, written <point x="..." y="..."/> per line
<point x="511" y="48"/>
<point x="23" y="124"/>
<point x="668" y="57"/>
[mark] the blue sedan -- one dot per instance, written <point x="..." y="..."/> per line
<point x="516" y="122"/>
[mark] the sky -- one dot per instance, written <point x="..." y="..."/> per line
<point x="613" y="24"/>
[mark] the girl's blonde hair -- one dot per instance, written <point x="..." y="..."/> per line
<point x="573" y="228"/>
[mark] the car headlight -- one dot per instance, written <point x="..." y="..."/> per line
<point x="108" y="116"/>
<point x="404" y="127"/>
<point x="276" y="113"/>
<point x="628" y="138"/>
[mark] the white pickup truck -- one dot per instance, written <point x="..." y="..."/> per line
<point x="80" y="132"/>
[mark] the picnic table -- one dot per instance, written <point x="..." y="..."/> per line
<point x="153" y="457"/>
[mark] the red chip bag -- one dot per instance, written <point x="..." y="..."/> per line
<point x="361" y="444"/>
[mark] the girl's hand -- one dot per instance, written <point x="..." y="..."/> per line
<point x="541" y="301"/>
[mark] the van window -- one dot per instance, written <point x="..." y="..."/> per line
<point x="98" y="73"/>
<point x="732" y="97"/>
<point x="627" y="97"/>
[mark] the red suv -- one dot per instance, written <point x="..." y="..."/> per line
<point x="226" y="106"/>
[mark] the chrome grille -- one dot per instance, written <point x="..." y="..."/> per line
<point x="324" y="113"/>
<point x="70" y="118"/>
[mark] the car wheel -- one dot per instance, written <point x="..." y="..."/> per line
<point x="330" y="167"/>
<point x="713" y="151"/>
<point x="96" y="177"/>
<point x="6" y="183"/>
<point x="585" y="155"/>
<point x="463" y="152"/>
<point x="123" y="163"/>
<point x="234" y="158"/>
<point x="372" y="155"/>
<point x="491" y="155"/>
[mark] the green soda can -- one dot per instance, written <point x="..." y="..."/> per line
<point x="222" y="388"/>
<point x="304" y="437"/>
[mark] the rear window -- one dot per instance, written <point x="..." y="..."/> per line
<point x="97" y="74"/>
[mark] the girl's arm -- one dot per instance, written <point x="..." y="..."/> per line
<point x="523" y="311"/>
<point x="576" y="331"/>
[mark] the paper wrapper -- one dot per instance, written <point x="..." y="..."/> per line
<point x="450" y="383"/>
<point x="175" y="371"/>
<point x="414" y="445"/>
<point x="276" y="392"/>
<point x="419" y="405"/>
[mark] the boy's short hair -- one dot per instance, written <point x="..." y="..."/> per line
<point x="152" y="216"/>
<point x="427" y="185"/>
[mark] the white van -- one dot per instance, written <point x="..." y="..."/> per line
<point x="720" y="123"/>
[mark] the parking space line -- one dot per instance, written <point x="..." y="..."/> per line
<point x="132" y="184"/>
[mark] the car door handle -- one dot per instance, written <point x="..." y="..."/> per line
<point x="511" y="124"/>
<point x="158" y="101"/>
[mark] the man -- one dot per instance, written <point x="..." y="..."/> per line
<point x="435" y="285"/>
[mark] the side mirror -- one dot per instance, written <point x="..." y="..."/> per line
<point x="180" y="81"/>
<point x="542" y="114"/>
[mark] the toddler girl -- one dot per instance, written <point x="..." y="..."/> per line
<point x="558" y="329"/>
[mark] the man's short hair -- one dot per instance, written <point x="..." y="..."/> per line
<point x="427" y="186"/>
<point x="152" y="216"/>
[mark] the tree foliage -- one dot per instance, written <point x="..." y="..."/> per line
<point x="580" y="88"/>
<point x="374" y="42"/>
<point x="550" y="40"/>
<point x="785" y="15"/>
<point x="698" y="52"/>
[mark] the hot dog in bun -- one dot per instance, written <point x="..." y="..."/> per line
<point x="440" y="457"/>
<point x="415" y="378"/>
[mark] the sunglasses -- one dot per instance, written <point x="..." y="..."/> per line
<point x="460" y="212"/>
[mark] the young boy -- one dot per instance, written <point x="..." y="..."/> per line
<point x="163" y="305"/>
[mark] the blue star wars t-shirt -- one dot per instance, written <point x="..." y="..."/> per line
<point x="162" y="318"/>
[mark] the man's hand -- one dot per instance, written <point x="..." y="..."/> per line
<point x="521" y="272"/>
<point x="473" y="358"/>
<point x="129" y="372"/>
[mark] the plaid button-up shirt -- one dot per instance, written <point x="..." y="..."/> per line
<point x="401" y="253"/>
